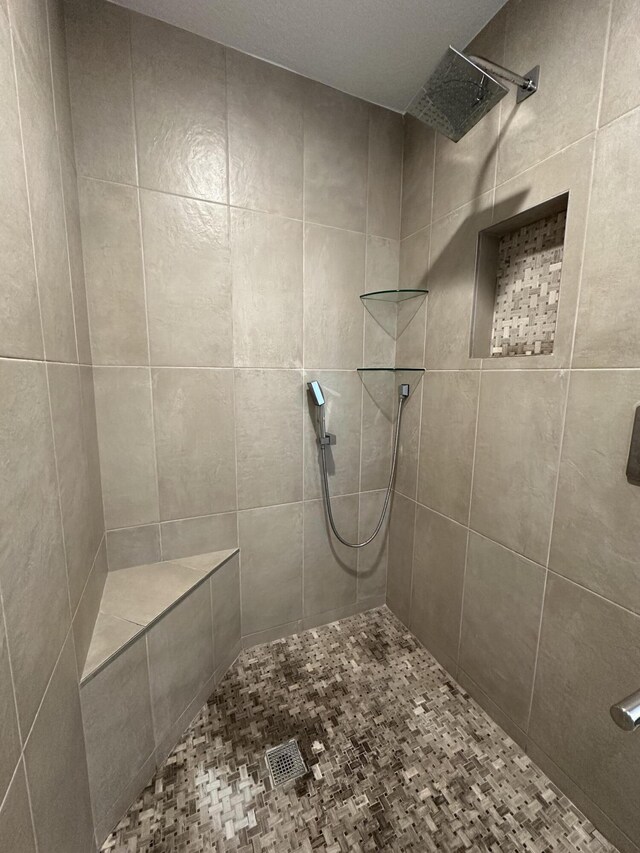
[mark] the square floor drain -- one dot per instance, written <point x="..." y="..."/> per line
<point x="285" y="762"/>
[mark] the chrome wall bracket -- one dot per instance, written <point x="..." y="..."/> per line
<point x="626" y="713"/>
<point x="327" y="439"/>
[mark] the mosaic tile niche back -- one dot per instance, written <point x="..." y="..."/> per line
<point x="528" y="288"/>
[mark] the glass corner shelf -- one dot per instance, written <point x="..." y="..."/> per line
<point x="394" y="295"/>
<point x="391" y="369"/>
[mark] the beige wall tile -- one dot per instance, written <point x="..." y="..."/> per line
<point x="417" y="176"/>
<point x="451" y="284"/>
<point x="330" y="569"/>
<point x="194" y="425"/>
<point x="125" y="435"/>
<point x="401" y="533"/>
<point x="336" y="131"/>
<point x="569" y="171"/>
<point x="447" y="439"/>
<point x="118" y="726"/>
<point x="56" y="765"/>
<point x="343" y="406"/>
<point x="133" y="546"/>
<point x="412" y="313"/>
<point x="180" y="658"/>
<point x="74" y="475"/>
<point x="8" y="720"/>
<point x="16" y="830"/>
<point x="271" y="566"/>
<point x="268" y="406"/>
<point x="379" y="414"/>
<point x="85" y="616"/>
<point x="437" y="582"/>
<point x="32" y="563"/>
<point x="114" y="275"/>
<point x="225" y="607"/>
<point x="386" y="140"/>
<point x="406" y="480"/>
<point x="620" y="92"/>
<point x="380" y="317"/>
<point x="606" y="333"/>
<point x="596" y="541"/>
<point x="553" y="118"/>
<point x="95" y="510"/>
<point x="266" y="253"/>
<point x="500" y="622"/>
<point x="100" y="83"/>
<point x="186" y="259"/>
<point x="20" y="330"/>
<point x="42" y="164"/>
<point x="333" y="313"/>
<point x="513" y="492"/>
<point x="589" y="658"/>
<point x="189" y="536"/>
<point x="265" y="109"/>
<point x="179" y="94"/>
<point x="373" y="558"/>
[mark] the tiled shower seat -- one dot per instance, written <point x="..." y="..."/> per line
<point x="165" y="634"/>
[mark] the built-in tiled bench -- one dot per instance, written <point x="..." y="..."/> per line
<point x="165" y="634"/>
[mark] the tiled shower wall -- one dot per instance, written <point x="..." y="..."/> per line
<point x="52" y="552"/>
<point x="515" y="543"/>
<point x="232" y="213"/>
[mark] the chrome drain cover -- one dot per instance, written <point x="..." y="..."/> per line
<point x="285" y="762"/>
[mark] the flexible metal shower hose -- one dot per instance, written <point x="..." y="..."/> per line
<point x="327" y="496"/>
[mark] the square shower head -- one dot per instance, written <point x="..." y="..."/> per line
<point x="456" y="96"/>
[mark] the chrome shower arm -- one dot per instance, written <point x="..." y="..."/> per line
<point x="528" y="84"/>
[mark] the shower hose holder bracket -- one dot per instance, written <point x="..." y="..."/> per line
<point x="327" y="439"/>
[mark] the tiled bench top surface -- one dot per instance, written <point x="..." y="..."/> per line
<point x="133" y="599"/>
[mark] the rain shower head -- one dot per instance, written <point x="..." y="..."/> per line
<point x="461" y="91"/>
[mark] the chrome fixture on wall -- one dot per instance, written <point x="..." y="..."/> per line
<point x="326" y="439"/>
<point x="463" y="89"/>
<point x="626" y="713"/>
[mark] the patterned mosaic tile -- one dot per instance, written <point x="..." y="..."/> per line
<point x="528" y="288"/>
<point x="399" y="757"/>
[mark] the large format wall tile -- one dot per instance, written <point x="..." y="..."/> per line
<point x="20" y="330"/>
<point x="266" y="258"/>
<point x="401" y="533"/>
<point x="379" y="416"/>
<point x="265" y="105"/>
<point x="225" y="607"/>
<point x="127" y="449"/>
<point x="186" y="259"/>
<point x="87" y="612"/>
<point x="385" y="172"/>
<point x="406" y="480"/>
<point x="513" y="491"/>
<point x="100" y="84"/>
<point x="194" y="425"/>
<point x="179" y="93"/>
<point x="380" y="317"/>
<point x="500" y="623"/>
<point x="336" y="141"/>
<point x="133" y="546"/>
<point x="330" y="568"/>
<point x="269" y="443"/>
<point x="333" y="313"/>
<point x="81" y="539"/>
<point x="114" y="275"/>
<point x="8" y="720"/>
<point x="537" y="34"/>
<point x="607" y="333"/>
<point x="589" y="658"/>
<point x="343" y="406"/>
<point x="180" y="649"/>
<point x="596" y="540"/>
<point x="372" y="559"/>
<point x="438" y="575"/>
<point x="56" y="764"/>
<point x="271" y="576"/>
<point x="16" y="830"/>
<point x="188" y="536"/>
<point x="417" y="176"/>
<point x="620" y="91"/>
<point x="32" y="563"/>
<point x="447" y="438"/>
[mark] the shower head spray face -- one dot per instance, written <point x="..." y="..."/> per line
<point x="316" y="392"/>
<point x="456" y="96"/>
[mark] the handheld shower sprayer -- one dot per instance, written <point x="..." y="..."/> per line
<point x="326" y="439"/>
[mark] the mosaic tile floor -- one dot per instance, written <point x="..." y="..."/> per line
<point x="399" y="757"/>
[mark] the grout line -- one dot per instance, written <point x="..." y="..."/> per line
<point x="537" y="655"/>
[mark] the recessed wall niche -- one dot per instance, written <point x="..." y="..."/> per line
<point x="518" y="280"/>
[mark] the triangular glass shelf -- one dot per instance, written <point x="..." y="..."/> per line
<point x="394" y="295"/>
<point x="391" y="369"/>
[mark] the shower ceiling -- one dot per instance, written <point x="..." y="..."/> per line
<point x="379" y="50"/>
